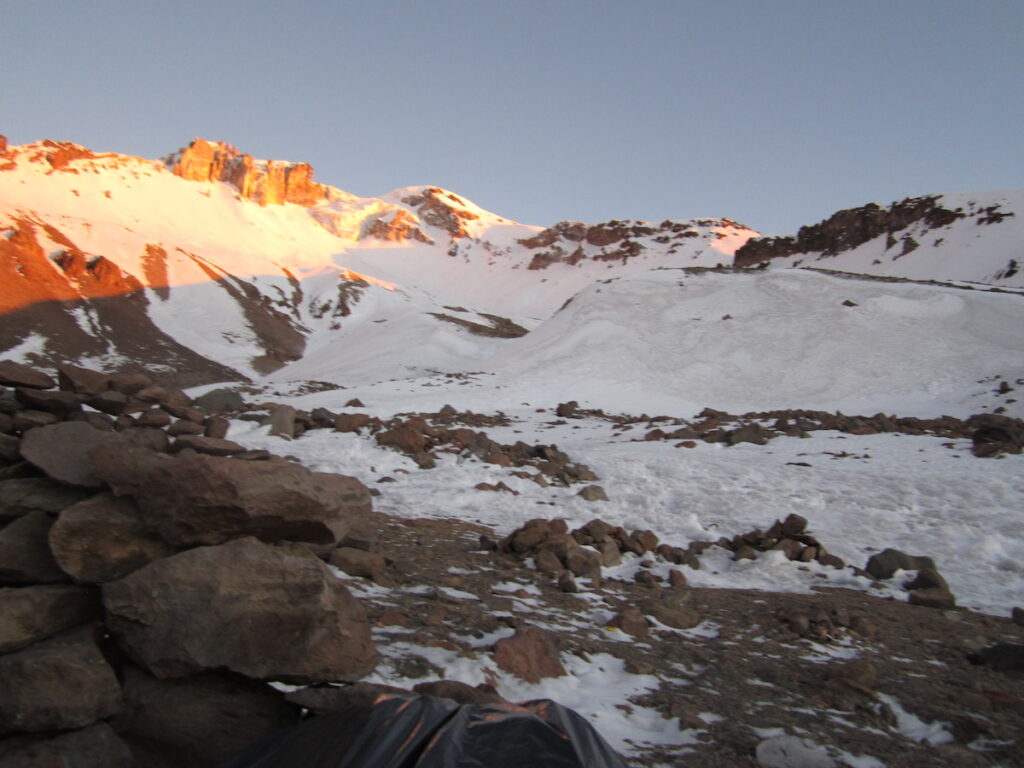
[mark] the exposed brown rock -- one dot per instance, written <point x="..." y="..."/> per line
<point x="59" y="684"/>
<point x="31" y="614"/>
<point x="269" y="613"/>
<point x="22" y="495"/>
<point x="17" y="375"/>
<point x="103" y="539"/>
<point x="531" y="654"/>
<point x="202" y="499"/>
<point x="82" y="380"/>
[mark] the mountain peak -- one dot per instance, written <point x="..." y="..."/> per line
<point x="267" y="182"/>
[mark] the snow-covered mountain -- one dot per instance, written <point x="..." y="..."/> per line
<point x="965" y="237"/>
<point x="221" y="265"/>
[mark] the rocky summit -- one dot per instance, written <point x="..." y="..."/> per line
<point x="270" y="451"/>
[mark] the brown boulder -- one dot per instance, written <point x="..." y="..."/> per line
<point x="62" y="451"/>
<point x="403" y="438"/>
<point x="59" y="684"/>
<point x="103" y="539"/>
<point x="585" y="563"/>
<point x="199" y="721"/>
<point x="97" y="746"/>
<point x="57" y="402"/>
<point x="358" y="562"/>
<point x="593" y="493"/>
<point x="82" y="380"/>
<point x="129" y="383"/>
<point x="672" y="608"/>
<point x="25" y="556"/>
<point x="202" y="499"/>
<point x="31" y="614"/>
<point x="17" y="375"/>
<point x="631" y="621"/>
<point x="933" y="597"/>
<point x="269" y="613"/>
<point x="460" y="693"/>
<point x="530" y="654"/>
<point x="351" y="422"/>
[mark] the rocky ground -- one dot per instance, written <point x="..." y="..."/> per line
<point x="169" y="597"/>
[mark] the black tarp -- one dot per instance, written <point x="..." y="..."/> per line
<point x="430" y="732"/>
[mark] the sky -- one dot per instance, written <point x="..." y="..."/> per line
<point x="772" y="113"/>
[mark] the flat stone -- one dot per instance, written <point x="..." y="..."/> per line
<point x="211" y="446"/>
<point x="59" y="403"/>
<point x="531" y="655"/>
<point x="72" y="378"/>
<point x="97" y="746"/>
<point x="62" y="451"/>
<point x="20" y="496"/>
<point x="15" y="374"/>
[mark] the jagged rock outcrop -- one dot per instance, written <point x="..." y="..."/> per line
<point x="397" y="226"/>
<point x="849" y="228"/>
<point x="265" y="182"/>
<point x="442" y="209"/>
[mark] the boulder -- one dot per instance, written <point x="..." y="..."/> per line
<point x="20" y="496"/>
<point x="351" y="422"/>
<point x="461" y="693"/>
<point x="17" y="375"/>
<point x="199" y="721"/>
<point x="154" y="417"/>
<point x="269" y="613"/>
<point x="103" y="539"/>
<point x="62" y="451"/>
<point x="358" y="562"/>
<point x="216" y="427"/>
<point x="585" y="563"/>
<point x="201" y="499"/>
<point x="74" y="379"/>
<point x="25" y="556"/>
<point x="673" y="608"/>
<point x="129" y="383"/>
<point x="884" y="564"/>
<point x="404" y="438"/>
<point x="109" y="402"/>
<point x="59" y="684"/>
<point x="97" y="746"/>
<point x="220" y="401"/>
<point x="531" y="654"/>
<point x="933" y="597"/>
<point x="792" y="752"/>
<point x="282" y="421"/>
<point x="10" y="446"/>
<point x="631" y="621"/>
<point x="593" y="493"/>
<point x="57" y="402"/>
<point x="31" y="614"/>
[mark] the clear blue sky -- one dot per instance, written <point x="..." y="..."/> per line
<point x="772" y="112"/>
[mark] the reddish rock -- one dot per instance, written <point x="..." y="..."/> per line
<point x="358" y="562"/>
<point x="129" y="383"/>
<point x="933" y="597"/>
<point x="216" y="427"/>
<point x="269" y="613"/>
<point x="631" y="621"/>
<point x="210" y="446"/>
<point x="59" y="403"/>
<point x="531" y="655"/>
<point x="351" y="422"/>
<point x="403" y="438"/>
<point x="585" y="563"/>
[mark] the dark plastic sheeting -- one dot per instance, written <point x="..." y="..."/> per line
<point x="429" y="732"/>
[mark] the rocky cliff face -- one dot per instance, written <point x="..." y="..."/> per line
<point x="847" y="229"/>
<point x="267" y="183"/>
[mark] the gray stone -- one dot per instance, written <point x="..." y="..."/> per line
<point x="103" y="539"/>
<point x="62" y="451"/>
<point x="31" y="614"/>
<point x="269" y="613"/>
<point x="792" y="752"/>
<point x="220" y="400"/>
<point x="211" y="446"/>
<point x="593" y="493"/>
<point x="59" y="684"/>
<point x="282" y="421"/>
<point x="59" y="403"/>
